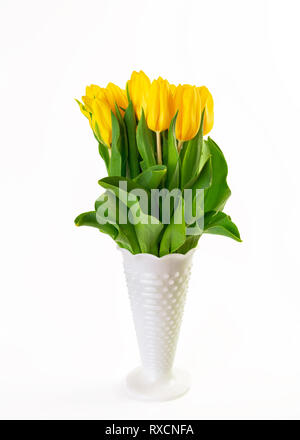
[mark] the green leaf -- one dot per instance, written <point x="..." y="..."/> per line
<point x="204" y="157"/>
<point x="143" y="166"/>
<point x="205" y="177"/>
<point x="97" y="134"/>
<point x="103" y="151"/>
<point x="173" y="157"/>
<point x="116" y="144"/>
<point x="124" y="140"/>
<point x="173" y="238"/>
<point x="220" y="224"/>
<point x="130" y="123"/>
<point x="117" y="185"/>
<point x="164" y="136"/>
<point x="126" y="237"/>
<point x="89" y="219"/>
<point x="148" y="232"/>
<point x="190" y="243"/>
<point x="145" y="144"/>
<point x="198" y="206"/>
<point x="151" y="177"/>
<point x="174" y="234"/>
<point x="183" y="151"/>
<point x="145" y="231"/>
<point x="191" y="160"/>
<point x="218" y="192"/>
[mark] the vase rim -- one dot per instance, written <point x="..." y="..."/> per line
<point x="173" y="256"/>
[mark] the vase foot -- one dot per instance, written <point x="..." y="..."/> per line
<point x="139" y="387"/>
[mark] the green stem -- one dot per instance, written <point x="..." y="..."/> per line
<point x="158" y="148"/>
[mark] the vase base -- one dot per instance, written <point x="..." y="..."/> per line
<point x="170" y="388"/>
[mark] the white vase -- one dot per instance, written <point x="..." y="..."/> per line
<point x="157" y="291"/>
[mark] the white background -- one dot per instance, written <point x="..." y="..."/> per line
<point x="66" y="334"/>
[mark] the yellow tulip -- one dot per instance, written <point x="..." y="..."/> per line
<point x="138" y="87"/>
<point x="114" y="94"/>
<point x="91" y="92"/>
<point x="101" y="120"/>
<point x="188" y="103"/>
<point x="207" y="104"/>
<point x="160" y="106"/>
<point x="98" y="104"/>
<point x="173" y="88"/>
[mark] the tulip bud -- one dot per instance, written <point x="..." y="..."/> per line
<point x="188" y="103"/>
<point x="207" y="104"/>
<point x="160" y="107"/>
<point x="91" y="92"/>
<point x="138" y="88"/>
<point x="98" y="104"/>
<point x="115" y="94"/>
<point x="101" y="120"/>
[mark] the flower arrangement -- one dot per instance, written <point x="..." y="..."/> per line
<point x="151" y="138"/>
<point x="166" y="187"/>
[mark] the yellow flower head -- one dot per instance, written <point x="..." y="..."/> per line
<point x="188" y="103"/>
<point x="91" y="92"/>
<point x="98" y="104"/>
<point x="207" y="104"/>
<point x="114" y="94"/>
<point x="160" y="105"/>
<point x="101" y="120"/>
<point x="138" y="87"/>
<point x="159" y="100"/>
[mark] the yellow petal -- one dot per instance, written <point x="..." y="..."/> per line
<point x="188" y="103"/>
<point x="173" y="88"/>
<point x="138" y="87"/>
<point x="116" y="95"/>
<point x="101" y="119"/>
<point x="93" y="91"/>
<point x="207" y="103"/>
<point x="159" y="106"/>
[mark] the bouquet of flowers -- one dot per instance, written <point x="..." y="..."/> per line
<point x="166" y="186"/>
<point x="166" y="183"/>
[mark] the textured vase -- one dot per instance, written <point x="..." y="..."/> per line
<point x="157" y="290"/>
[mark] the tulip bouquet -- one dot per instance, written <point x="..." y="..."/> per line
<point x="151" y="138"/>
<point x="166" y="187"/>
